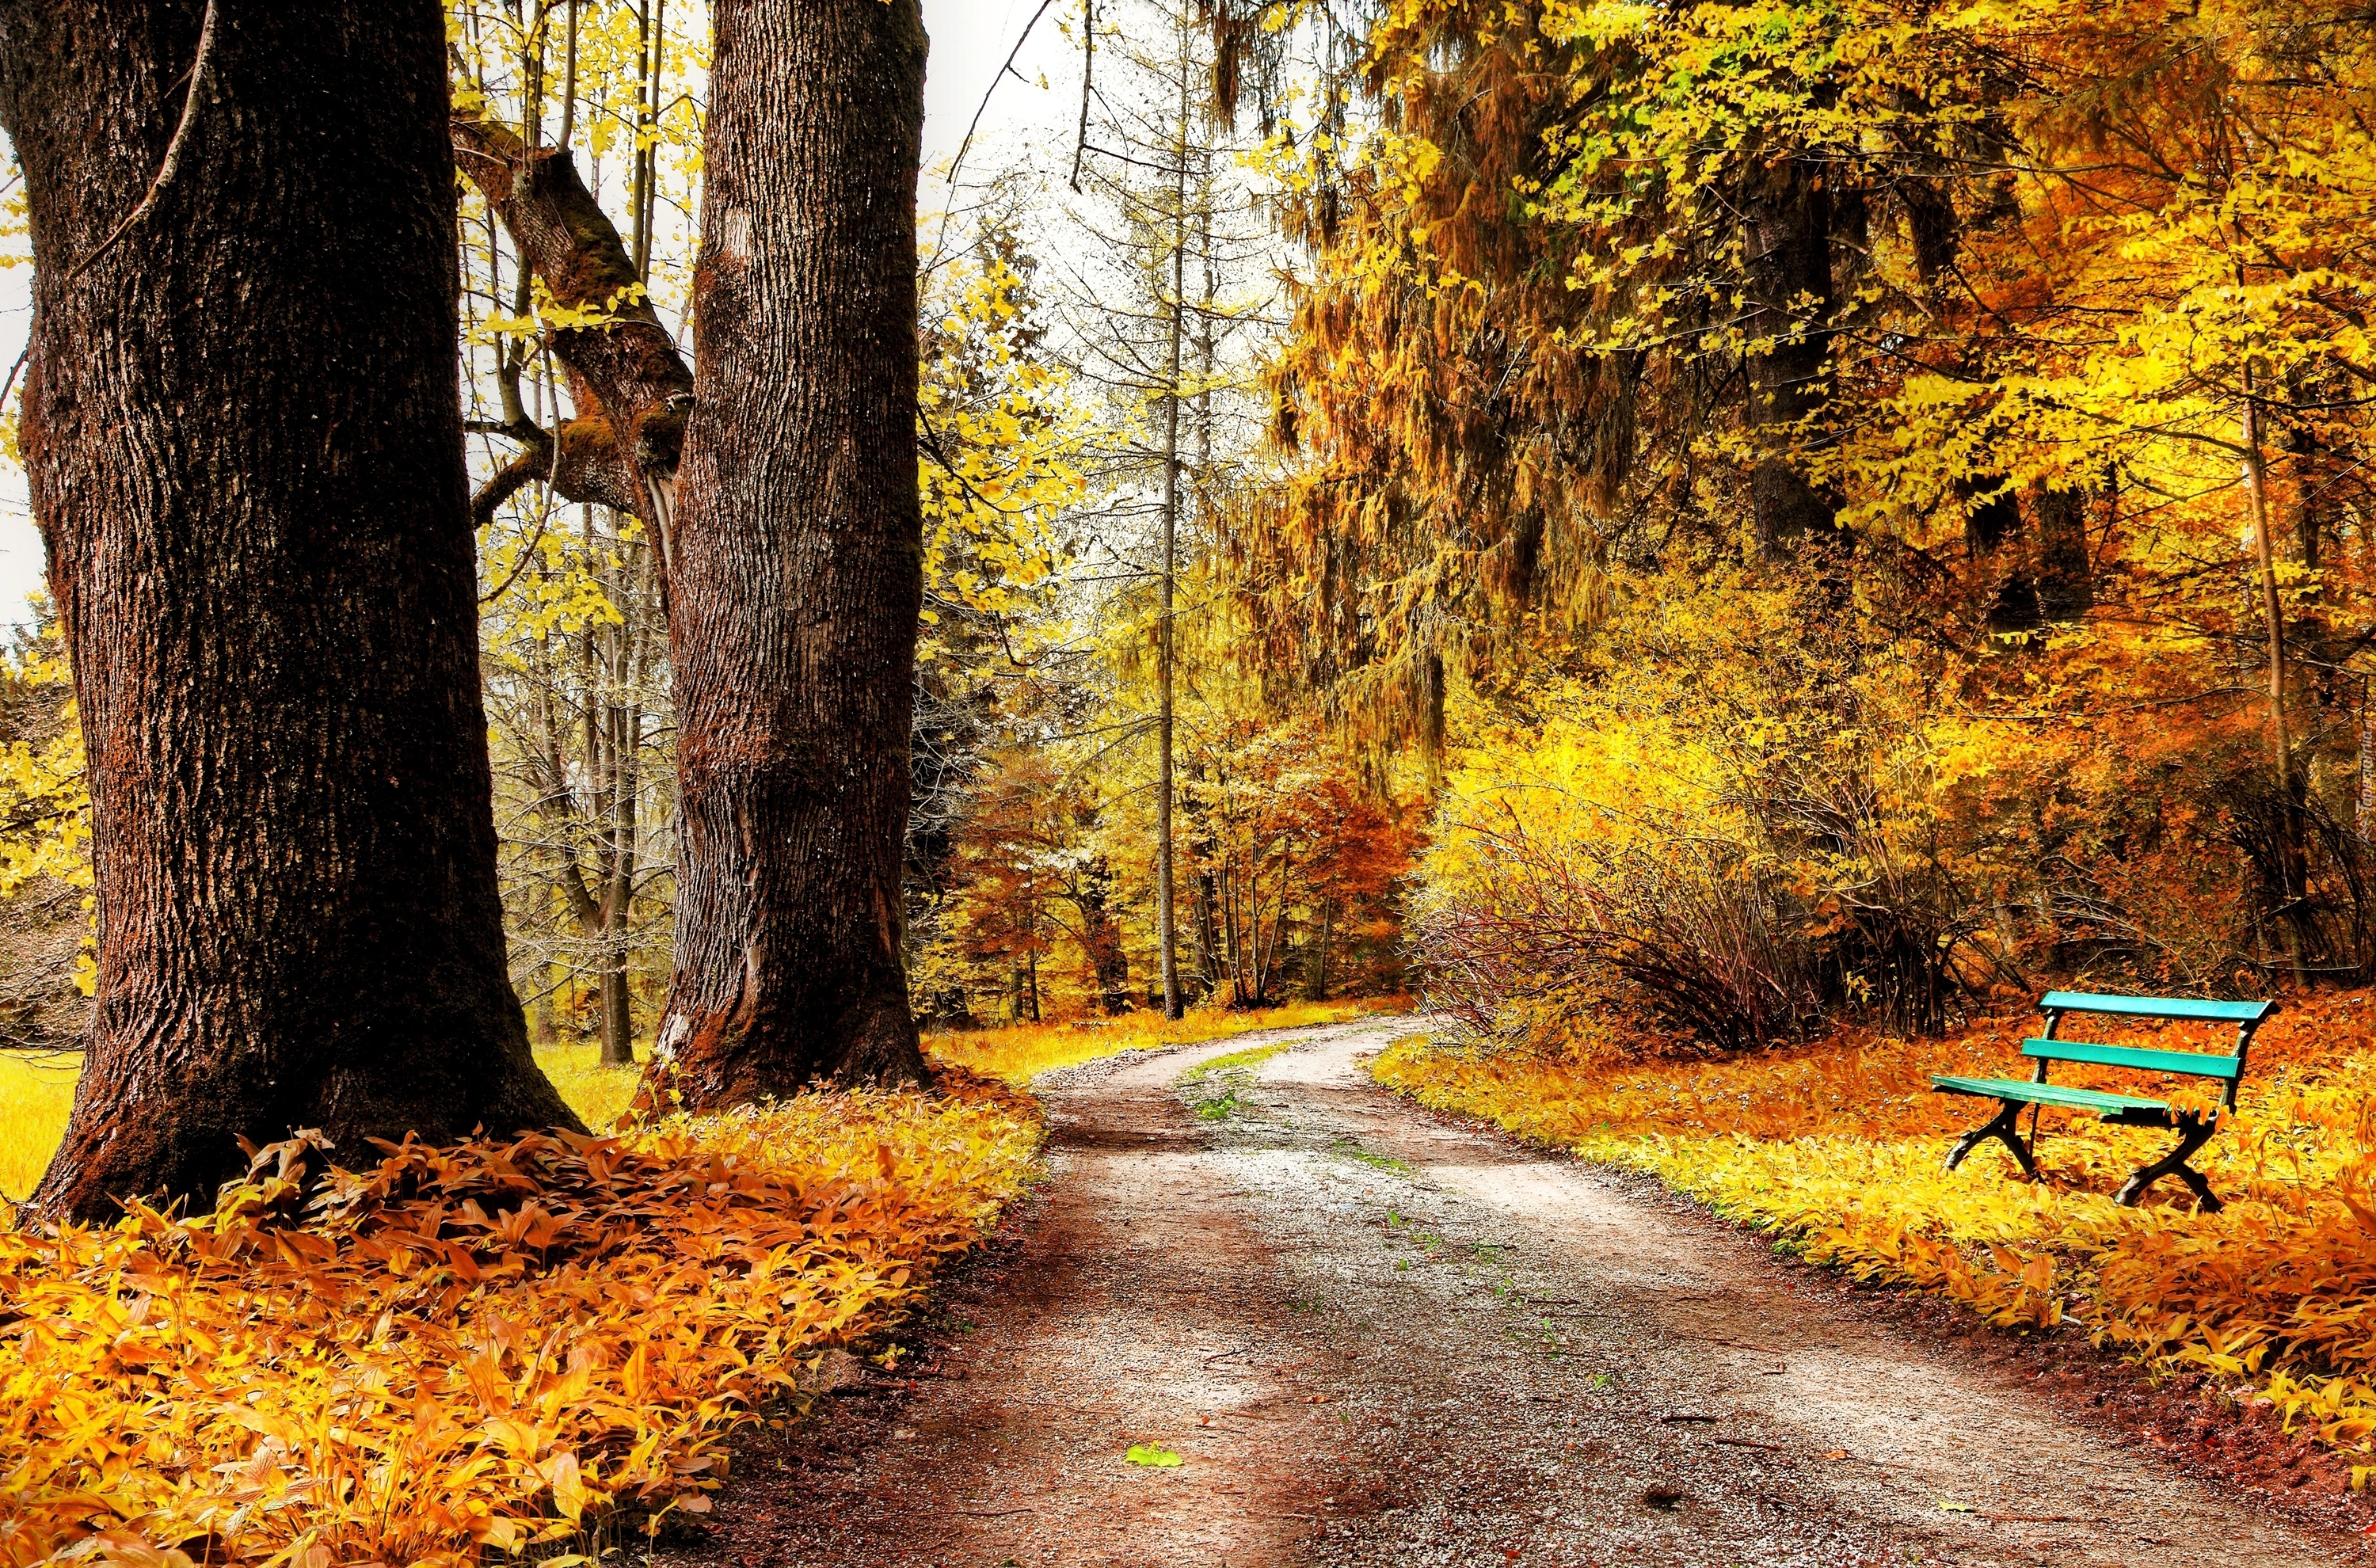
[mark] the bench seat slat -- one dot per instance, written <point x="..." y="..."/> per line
<point x="2045" y="1094"/>
<point x="2157" y="1006"/>
<point x="2132" y="1056"/>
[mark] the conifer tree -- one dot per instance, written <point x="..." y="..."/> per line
<point x="1165" y="306"/>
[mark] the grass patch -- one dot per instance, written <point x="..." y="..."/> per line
<point x="1251" y="1057"/>
<point x="1020" y="1052"/>
<point x="1835" y="1148"/>
<point x="1220" y="1107"/>
<point x="598" y="1094"/>
<point x="1352" y="1150"/>
<point x="1220" y="1083"/>
<point x="36" y="1092"/>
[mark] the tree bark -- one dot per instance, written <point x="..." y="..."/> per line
<point x="2066" y="568"/>
<point x="1789" y="258"/>
<point x="242" y="432"/>
<point x="1102" y="936"/>
<point x="2293" y="867"/>
<point x="799" y="573"/>
<point x="1319" y="964"/>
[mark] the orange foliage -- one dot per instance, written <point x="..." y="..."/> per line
<point x="487" y="1346"/>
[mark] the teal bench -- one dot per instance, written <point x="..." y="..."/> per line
<point x="2126" y="1110"/>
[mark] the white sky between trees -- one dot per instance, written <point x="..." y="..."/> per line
<point x="970" y="42"/>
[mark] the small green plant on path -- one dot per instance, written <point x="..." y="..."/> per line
<point x="1352" y="1150"/>
<point x="1220" y="1082"/>
<point x="1153" y="1453"/>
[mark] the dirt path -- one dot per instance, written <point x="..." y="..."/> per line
<point x="1374" y="1338"/>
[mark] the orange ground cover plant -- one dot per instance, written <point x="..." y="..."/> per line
<point x="465" y="1351"/>
<point x="1838" y="1147"/>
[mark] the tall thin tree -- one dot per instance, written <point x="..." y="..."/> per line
<point x="242" y="432"/>
<point x="1162" y="284"/>
<point x="1167" y="636"/>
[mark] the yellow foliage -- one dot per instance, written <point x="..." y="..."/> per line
<point x="44" y="801"/>
<point x="1001" y="445"/>
<point x="1017" y="1054"/>
<point x="1837" y="1148"/>
<point x="480" y="1346"/>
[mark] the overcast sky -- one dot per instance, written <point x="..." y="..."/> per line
<point x="971" y="39"/>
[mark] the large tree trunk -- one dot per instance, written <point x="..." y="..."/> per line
<point x="241" y="426"/>
<point x="798" y="572"/>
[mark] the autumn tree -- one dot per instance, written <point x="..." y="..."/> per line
<point x="1164" y="294"/>
<point x="795" y="571"/>
<point x="573" y="600"/>
<point x="259" y="541"/>
<point x="1297" y="850"/>
<point x="45" y="876"/>
<point x="998" y="665"/>
<point x="577" y="692"/>
<point x="1028" y="875"/>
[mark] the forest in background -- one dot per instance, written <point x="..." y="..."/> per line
<point x="1803" y="511"/>
<point x="1052" y="454"/>
<point x="1866" y="502"/>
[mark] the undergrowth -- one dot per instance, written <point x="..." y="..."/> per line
<point x="1020" y="1052"/>
<point x="1837" y="1149"/>
<point x="464" y="1350"/>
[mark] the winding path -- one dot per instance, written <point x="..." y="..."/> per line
<point x="1372" y="1337"/>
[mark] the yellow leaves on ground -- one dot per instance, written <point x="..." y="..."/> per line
<point x="486" y="1345"/>
<point x="1018" y="1054"/>
<point x="1837" y="1148"/>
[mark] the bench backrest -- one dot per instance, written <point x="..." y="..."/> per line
<point x="2185" y="1007"/>
<point x="2246" y="1015"/>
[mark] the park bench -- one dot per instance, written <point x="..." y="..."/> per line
<point x="2131" y="1111"/>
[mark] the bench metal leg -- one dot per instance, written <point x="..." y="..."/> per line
<point x="2193" y="1134"/>
<point x="2007" y="1129"/>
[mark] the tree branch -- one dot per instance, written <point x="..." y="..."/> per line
<point x="631" y="387"/>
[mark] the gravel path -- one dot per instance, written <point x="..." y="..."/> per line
<point x="1376" y="1338"/>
